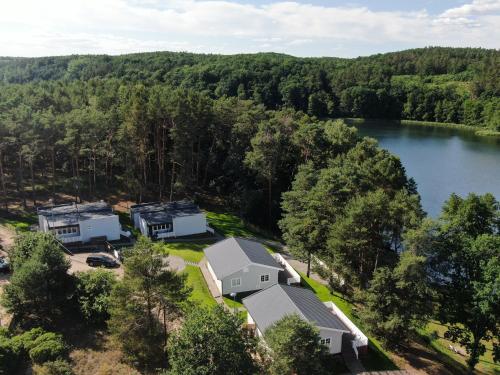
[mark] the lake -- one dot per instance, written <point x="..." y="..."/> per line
<point x="441" y="160"/>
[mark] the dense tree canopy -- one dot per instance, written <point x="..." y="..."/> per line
<point x="352" y="208"/>
<point x="463" y="250"/>
<point x="143" y="303"/>
<point x="295" y="347"/>
<point x="211" y="342"/>
<point x="40" y="287"/>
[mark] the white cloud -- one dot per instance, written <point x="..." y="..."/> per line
<point x="477" y="7"/>
<point x="34" y="27"/>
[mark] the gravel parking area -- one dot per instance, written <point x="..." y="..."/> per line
<point x="78" y="263"/>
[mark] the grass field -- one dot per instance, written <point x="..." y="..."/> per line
<point x="189" y="251"/>
<point x="200" y="294"/>
<point x="20" y="221"/>
<point x="434" y="334"/>
<point x="230" y="225"/>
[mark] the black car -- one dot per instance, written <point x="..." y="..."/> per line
<point x="102" y="261"/>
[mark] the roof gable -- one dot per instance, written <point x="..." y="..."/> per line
<point x="272" y="304"/>
<point x="233" y="254"/>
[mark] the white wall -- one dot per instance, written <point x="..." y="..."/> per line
<point x="192" y="224"/>
<point x="335" y="339"/>
<point x="212" y="273"/>
<point x="136" y="218"/>
<point x="143" y="226"/>
<point x="42" y="223"/>
<point x="360" y="338"/>
<point x="107" y="226"/>
<point x="250" y="279"/>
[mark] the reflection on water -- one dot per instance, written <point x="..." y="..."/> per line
<point x="441" y="160"/>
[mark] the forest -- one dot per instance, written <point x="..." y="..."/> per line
<point x="451" y="85"/>
<point x="159" y="125"/>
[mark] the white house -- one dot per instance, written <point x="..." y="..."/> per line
<point x="80" y="223"/>
<point x="238" y="265"/>
<point x="270" y="305"/>
<point x="165" y="220"/>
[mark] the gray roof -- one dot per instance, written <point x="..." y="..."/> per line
<point x="158" y="217"/>
<point x="146" y="207"/>
<point x="233" y="254"/>
<point x="160" y="213"/>
<point x="72" y="214"/>
<point x="270" y="305"/>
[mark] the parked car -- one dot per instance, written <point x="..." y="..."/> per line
<point x="4" y="265"/>
<point x="102" y="261"/>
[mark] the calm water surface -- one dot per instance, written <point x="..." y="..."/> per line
<point x="442" y="161"/>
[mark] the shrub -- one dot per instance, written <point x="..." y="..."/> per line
<point x="93" y="289"/>
<point x="47" y="347"/>
<point x="58" y="367"/>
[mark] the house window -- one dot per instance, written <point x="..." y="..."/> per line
<point x="235" y="282"/>
<point x="264" y="278"/>
<point x="326" y="341"/>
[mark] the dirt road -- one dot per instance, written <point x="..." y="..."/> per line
<point x="7" y="237"/>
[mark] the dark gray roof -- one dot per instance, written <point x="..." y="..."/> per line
<point x="72" y="208"/>
<point x="146" y="207"/>
<point x="161" y="213"/>
<point x="158" y="217"/>
<point x="72" y="214"/>
<point x="270" y="305"/>
<point x="233" y="254"/>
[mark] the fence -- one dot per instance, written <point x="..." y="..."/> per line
<point x="295" y="277"/>
<point x="360" y="339"/>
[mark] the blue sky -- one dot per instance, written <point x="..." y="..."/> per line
<point x="300" y="27"/>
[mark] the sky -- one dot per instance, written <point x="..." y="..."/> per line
<point x="300" y="27"/>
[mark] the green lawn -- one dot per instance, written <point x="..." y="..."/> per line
<point x="190" y="251"/>
<point x="18" y="220"/>
<point x="231" y="225"/>
<point x="434" y="334"/>
<point x="200" y="294"/>
<point x="377" y="358"/>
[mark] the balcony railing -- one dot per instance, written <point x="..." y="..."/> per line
<point x="69" y="238"/>
<point x="163" y="234"/>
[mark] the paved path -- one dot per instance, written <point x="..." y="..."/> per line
<point x="214" y="291"/>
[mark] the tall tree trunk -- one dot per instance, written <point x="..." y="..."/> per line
<point x="77" y="169"/>
<point x="269" y="201"/>
<point x="376" y="261"/>
<point x="94" y="169"/>
<point x="53" y="180"/>
<point x="2" y="181"/>
<point x="209" y="159"/>
<point x="198" y="151"/>
<point x="21" y="179"/>
<point x="172" y="179"/>
<point x="32" y="175"/>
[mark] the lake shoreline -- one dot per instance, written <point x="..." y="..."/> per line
<point x="481" y="132"/>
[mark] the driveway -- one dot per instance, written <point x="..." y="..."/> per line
<point x="7" y="237"/>
<point x="78" y="263"/>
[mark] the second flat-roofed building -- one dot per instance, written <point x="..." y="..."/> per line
<point x="158" y="220"/>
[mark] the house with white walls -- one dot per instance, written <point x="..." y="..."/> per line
<point x="80" y="223"/>
<point x="158" y="220"/>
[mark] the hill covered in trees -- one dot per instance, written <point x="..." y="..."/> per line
<point x="453" y="85"/>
